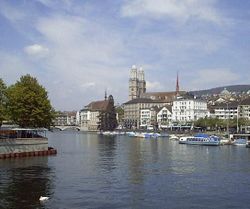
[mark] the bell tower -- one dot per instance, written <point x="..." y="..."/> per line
<point x="141" y="82"/>
<point x="133" y="84"/>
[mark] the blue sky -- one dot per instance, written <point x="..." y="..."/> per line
<point x="78" y="48"/>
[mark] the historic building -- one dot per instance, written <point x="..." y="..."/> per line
<point x="137" y="83"/>
<point x="188" y="109"/>
<point x="244" y="109"/>
<point x="90" y="115"/>
<point x="140" y="110"/>
<point x="65" y="118"/>
<point x="164" y="117"/>
<point x="132" y="110"/>
<point x="148" y="117"/>
<point x="227" y="110"/>
<point x="167" y="96"/>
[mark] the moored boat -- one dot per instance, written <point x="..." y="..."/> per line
<point x="208" y="141"/>
<point x="173" y="137"/>
<point x="21" y="142"/>
<point x="183" y="140"/>
<point x="248" y="144"/>
<point x="131" y="133"/>
<point x="240" y="142"/>
<point x="147" y="135"/>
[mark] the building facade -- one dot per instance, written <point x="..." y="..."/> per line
<point x="164" y="117"/>
<point x="188" y="109"/>
<point x="148" y="117"/>
<point x="244" y="109"/>
<point x="65" y="119"/>
<point x="132" y="110"/>
<point x="89" y="115"/>
<point x="137" y="83"/>
<point x="226" y="111"/>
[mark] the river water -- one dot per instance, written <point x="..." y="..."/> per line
<point x="92" y="171"/>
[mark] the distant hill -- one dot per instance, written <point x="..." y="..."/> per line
<point x="233" y="88"/>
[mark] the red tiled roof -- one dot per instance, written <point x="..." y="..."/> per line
<point x="98" y="105"/>
<point x="167" y="96"/>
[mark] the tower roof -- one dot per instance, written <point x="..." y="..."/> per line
<point x="133" y="67"/>
<point x="177" y="84"/>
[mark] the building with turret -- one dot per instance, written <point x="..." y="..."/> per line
<point x="137" y="83"/>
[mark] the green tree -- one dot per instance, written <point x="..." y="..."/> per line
<point x="120" y="112"/>
<point x="3" y="100"/>
<point x="28" y="103"/>
<point x="107" y="118"/>
<point x="211" y="123"/>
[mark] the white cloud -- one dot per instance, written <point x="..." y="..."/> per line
<point x="91" y="51"/>
<point x="88" y="85"/>
<point x="36" y="50"/>
<point x="11" y="13"/>
<point x="154" y="86"/>
<point x="12" y="67"/>
<point x="176" y="9"/>
<point x="85" y="57"/>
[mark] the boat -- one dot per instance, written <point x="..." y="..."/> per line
<point x="131" y="133"/>
<point x="225" y="141"/>
<point x="248" y="144"/>
<point x="147" y="135"/>
<point x="240" y="142"/>
<point x="173" y="137"/>
<point x="240" y="139"/>
<point x="22" y="142"/>
<point x="183" y="140"/>
<point x="200" y="140"/>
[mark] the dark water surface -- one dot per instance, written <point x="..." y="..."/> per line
<point x="92" y="171"/>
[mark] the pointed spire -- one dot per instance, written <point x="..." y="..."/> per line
<point x="177" y="84"/>
<point x="105" y="97"/>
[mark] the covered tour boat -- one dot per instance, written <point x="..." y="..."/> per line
<point x="23" y="142"/>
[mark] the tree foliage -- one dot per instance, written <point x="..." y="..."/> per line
<point x="107" y="118"/>
<point x="3" y="100"/>
<point x="218" y="124"/>
<point x="120" y="111"/>
<point x="28" y="103"/>
<point x="211" y="123"/>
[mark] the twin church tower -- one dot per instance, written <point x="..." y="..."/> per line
<point x="137" y="83"/>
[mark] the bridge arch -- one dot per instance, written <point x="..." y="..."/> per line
<point x="64" y="128"/>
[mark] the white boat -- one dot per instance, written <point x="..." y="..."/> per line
<point x="140" y="135"/>
<point x="248" y="144"/>
<point x="199" y="140"/>
<point x="131" y="133"/>
<point x="173" y="137"/>
<point x="225" y="141"/>
<point x="240" y="142"/>
<point x="183" y="140"/>
<point x="146" y="135"/>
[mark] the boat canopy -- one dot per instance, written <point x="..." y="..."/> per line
<point x="201" y="135"/>
<point x="22" y="133"/>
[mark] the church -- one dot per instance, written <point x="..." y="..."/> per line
<point x="140" y="99"/>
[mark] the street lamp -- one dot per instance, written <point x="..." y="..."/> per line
<point x="237" y="119"/>
<point x="228" y="115"/>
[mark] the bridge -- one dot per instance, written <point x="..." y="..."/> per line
<point x="64" y="128"/>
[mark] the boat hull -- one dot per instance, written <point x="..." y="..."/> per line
<point x="204" y="143"/>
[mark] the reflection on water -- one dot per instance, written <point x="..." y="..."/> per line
<point x="23" y="181"/>
<point x="107" y="153"/>
<point x="93" y="171"/>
